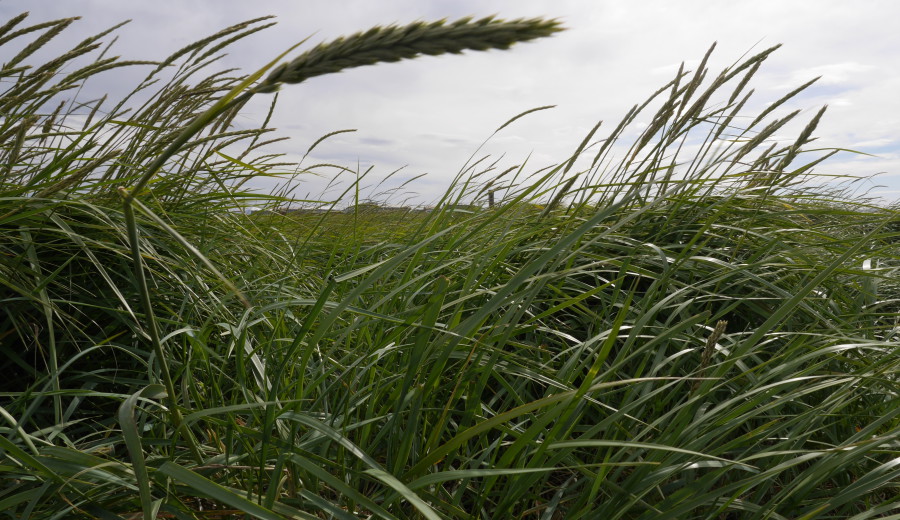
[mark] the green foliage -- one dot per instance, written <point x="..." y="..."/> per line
<point x="695" y="329"/>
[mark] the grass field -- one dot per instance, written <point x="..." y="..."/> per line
<point x="645" y="333"/>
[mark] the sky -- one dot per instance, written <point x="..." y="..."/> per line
<point x="431" y="114"/>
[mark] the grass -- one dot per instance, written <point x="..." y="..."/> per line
<point x="692" y="326"/>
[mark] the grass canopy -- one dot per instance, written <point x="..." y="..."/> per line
<point x="690" y="324"/>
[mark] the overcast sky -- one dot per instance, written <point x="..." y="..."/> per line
<point x="432" y="113"/>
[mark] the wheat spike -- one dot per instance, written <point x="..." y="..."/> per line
<point x="709" y="349"/>
<point x="8" y="26"/>
<point x="55" y="28"/>
<point x="395" y="43"/>
<point x="802" y="139"/>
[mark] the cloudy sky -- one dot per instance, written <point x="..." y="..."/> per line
<point x="429" y="115"/>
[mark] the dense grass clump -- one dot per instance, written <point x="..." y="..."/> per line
<point x="687" y="326"/>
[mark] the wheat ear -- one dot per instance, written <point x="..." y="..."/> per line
<point x="395" y="43"/>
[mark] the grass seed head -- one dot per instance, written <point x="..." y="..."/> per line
<point x="394" y="43"/>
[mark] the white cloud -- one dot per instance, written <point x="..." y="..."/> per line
<point x="839" y="102"/>
<point x="874" y="143"/>
<point x="852" y="73"/>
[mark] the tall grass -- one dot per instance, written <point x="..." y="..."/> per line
<point x="691" y="328"/>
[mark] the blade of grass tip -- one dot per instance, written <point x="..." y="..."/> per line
<point x="19" y="430"/>
<point x="812" y="164"/>
<point x="133" y="443"/>
<point x="240" y="163"/>
<point x="614" y="135"/>
<point x="404" y="491"/>
<point x="553" y="505"/>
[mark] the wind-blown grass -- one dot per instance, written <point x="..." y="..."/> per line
<point x="658" y="335"/>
